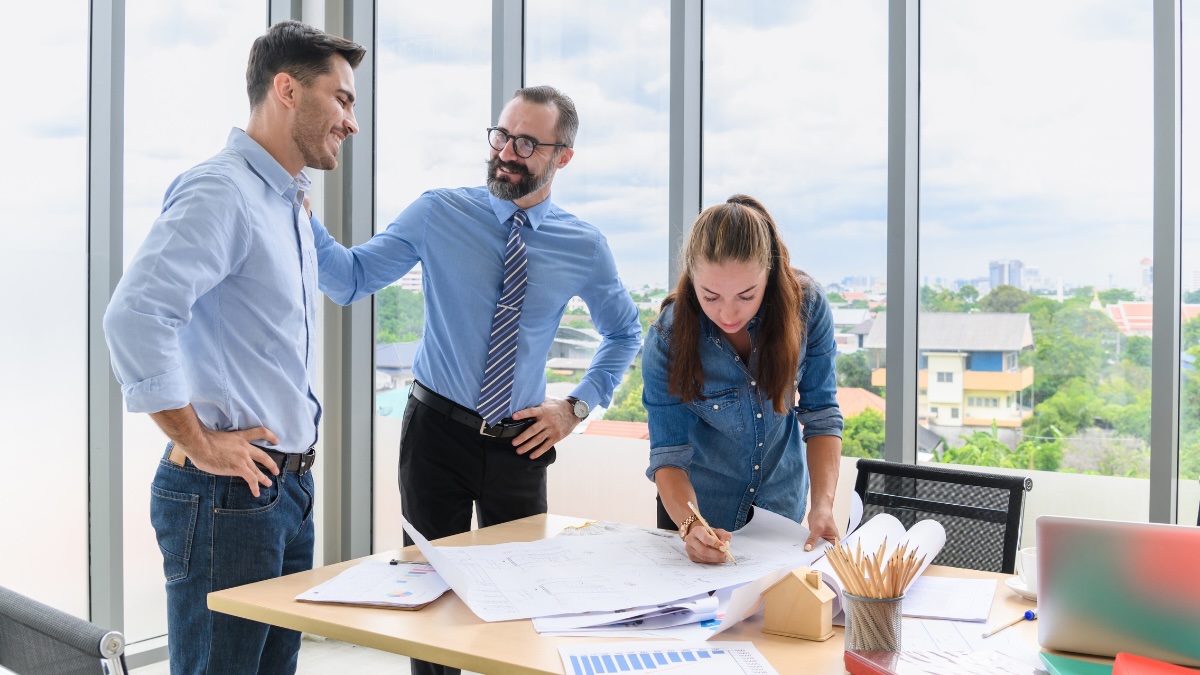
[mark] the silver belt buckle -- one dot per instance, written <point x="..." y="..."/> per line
<point x="485" y="430"/>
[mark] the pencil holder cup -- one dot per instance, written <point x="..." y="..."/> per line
<point x="872" y="623"/>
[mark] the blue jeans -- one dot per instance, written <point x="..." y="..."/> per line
<point x="214" y="534"/>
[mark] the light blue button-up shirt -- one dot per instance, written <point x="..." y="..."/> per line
<point x="736" y="449"/>
<point x="217" y="308"/>
<point x="459" y="237"/>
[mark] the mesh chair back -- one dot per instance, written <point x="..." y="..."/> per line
<point x="980" y="511"/>
<point x="36" y="639"/>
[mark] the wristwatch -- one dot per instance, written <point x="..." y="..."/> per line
<point x="686" y="525"/>
<point x="579" y="407"/>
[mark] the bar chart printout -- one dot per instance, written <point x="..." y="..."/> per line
<point x="697" y="658"/>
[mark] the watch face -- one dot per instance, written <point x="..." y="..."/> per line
<point x="581" y="409"/>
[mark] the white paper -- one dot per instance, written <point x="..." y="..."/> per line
<point x="928" y="635"/>
<point x="380" y="584"/>
<point x="608" y="572"/>
<point x="949" y="598"/>
<point x="700" y="604"/>
<point x="700" y="658"/>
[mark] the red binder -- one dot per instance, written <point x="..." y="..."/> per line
<point x="1129" y="664"/>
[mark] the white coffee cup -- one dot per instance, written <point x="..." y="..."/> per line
<point x="1027" y="567"/>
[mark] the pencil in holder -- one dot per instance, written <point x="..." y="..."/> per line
<point x="872" y="623"/>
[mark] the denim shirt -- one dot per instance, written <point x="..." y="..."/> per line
<point x="737" y="450"/>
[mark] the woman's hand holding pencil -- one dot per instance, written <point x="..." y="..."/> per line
<point x="706" y="545"/>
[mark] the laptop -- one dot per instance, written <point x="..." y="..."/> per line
<point x="1107" y="586"/>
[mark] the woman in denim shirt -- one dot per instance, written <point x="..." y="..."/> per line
<point x="741" y="334"/>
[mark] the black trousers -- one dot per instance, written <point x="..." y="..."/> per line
<point x="448" y="468"/>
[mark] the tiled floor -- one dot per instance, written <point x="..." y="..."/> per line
<point x="327" y="656"/>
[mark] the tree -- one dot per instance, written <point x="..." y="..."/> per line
<point x="944" y="300"/>
<point x="862" y="435"/>
<point x="1137" y="350"/>
<point x="399" y="315"/>
<point x="968" y="294"/>
<point x="853" y="370"/>
<point x="1004" y="299"/>
<point x="834" y="298"/>
<point x="1191" y="332"/>
<point x="1114" y="295"/>
<point x="627" y="401"/>
<point x="986" y="449"/>
<point x="1192" y="297"/>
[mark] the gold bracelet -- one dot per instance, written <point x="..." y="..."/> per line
<point x="686" y="525"/>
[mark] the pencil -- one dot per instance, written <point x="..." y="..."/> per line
<point x="724" y="545"/>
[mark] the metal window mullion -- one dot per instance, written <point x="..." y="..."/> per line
<point x="105" y="203"/>
<point x="508" y="51"/>
<point x="350" y="331"/>
<point x="686" y="108"/>
<point x="904" y="69"/>
<point x="1165" y="373"/>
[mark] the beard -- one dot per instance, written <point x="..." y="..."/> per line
<point x="311" y="134"/>
<point x="526" y="185"/>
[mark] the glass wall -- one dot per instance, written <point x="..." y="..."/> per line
<point x="814" y="152"/>
<point x="613" y="60"/>
<point x="43" y="347"/>
<point x="185" y="88"/>
<point x="1035" y="243"/>
<point x="1189" y="404"/>
<point x="434" y="103"/>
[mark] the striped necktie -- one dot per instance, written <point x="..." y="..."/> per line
<point x="495" y="397"/>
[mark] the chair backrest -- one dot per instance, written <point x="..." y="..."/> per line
<point x="980" y="511"/>
<point x="36" y="639"/>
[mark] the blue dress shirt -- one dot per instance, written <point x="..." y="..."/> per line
<point x="459" y="237"/>
<point x="217" y="308"/>
<point x="736" y="449"/>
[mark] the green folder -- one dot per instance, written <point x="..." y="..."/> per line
<point x="1064" y="665"/>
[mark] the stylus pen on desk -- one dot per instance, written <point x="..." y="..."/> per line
<point x="1029" y="615"/>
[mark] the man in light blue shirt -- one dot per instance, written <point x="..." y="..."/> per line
<point x="212" y="332"/>
<point x="479" y="431"/>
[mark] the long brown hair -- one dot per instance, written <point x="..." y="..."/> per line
<point x="740" y="230"/>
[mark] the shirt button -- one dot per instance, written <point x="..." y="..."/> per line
<point x="752" y="489"/>
<point x="716" y="407"/>
<point x="759" y="415"/>
<point x="756" y="466"/>
<point x="753" y="383"/>
<point x="737" y="358"/>
<point x="760" y="445"/>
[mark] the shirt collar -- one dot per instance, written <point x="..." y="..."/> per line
<point x="291" y="188"/>
<point x="504" y="210"/>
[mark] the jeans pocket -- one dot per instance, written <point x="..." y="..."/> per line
<point x="173" y="515"/>
<point x="239" y="500"/>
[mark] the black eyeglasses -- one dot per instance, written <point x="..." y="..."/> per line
<point x="524" y="146"/>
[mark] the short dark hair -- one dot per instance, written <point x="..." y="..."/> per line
<point x="568" y="119"/>
<point x="296" y="49"/>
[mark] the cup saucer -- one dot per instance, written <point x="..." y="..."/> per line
<point x="1017" y="586"/>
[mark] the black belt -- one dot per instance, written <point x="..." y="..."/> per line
<point x="466" y="416"/>
<point x="288" y="462"/>
<point x="292" y="462"/>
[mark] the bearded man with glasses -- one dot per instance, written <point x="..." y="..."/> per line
<point x="498" y="265"/>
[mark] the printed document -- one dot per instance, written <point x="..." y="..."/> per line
<point x="380" y="584"/>
<point x="702" y="658"/>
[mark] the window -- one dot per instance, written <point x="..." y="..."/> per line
<point x="1189" y="404"/>
<point x="432" y="140"/>
<point x="795" y="115"/>
<point x="954" y="413"/>
<point x="170" y="126"/>
<point x="1019" y="200"/>
<point x="44" y="360"/>
<point x="945" y="377"/>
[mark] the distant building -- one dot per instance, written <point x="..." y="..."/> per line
<point x="1137" y="318"/>
<point x="393" y="364"/>
<point x="574" y="343"/>
<point x="412" y="280"/>
<point x="1006" y="273"/>
<point x="969" y="369"/>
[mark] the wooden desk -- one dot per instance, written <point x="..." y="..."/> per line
<point x="447" y="632"/>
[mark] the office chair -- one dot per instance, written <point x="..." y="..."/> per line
<point x="36" y="639"/>
<point x="980" y="511"/>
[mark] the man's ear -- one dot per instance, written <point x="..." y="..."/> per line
<point x="286" y="89"/>
<point x="564" y="157"/>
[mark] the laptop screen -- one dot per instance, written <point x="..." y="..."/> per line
<point x="1108" y="586"/>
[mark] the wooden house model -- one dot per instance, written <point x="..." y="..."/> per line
<point x="799" y="605"/>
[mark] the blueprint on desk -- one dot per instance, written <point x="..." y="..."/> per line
<point x="604" y="573"/>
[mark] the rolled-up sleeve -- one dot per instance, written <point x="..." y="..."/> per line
<point x="200" y="237"/>
<point x="669" y="418"/>
<point x="616" y="319"/>
<point x="817" y="408"/>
